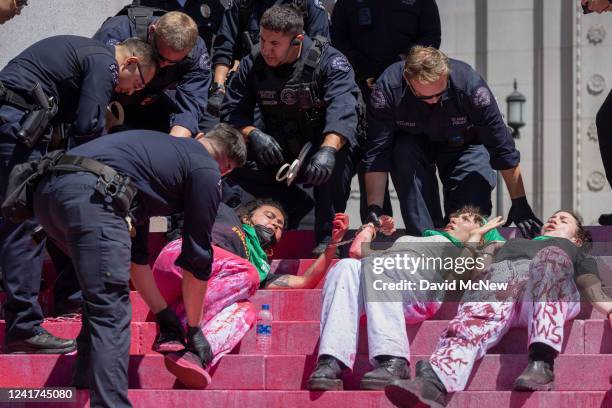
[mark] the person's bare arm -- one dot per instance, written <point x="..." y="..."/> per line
<point x="142" y="279"/>
<point x="179" y="131"/>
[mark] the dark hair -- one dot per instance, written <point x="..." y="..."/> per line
<point x="230" y="143"/>
<point x="246" y="211"/>
<point x="470" y="210"/>
<point x="581" y="233"/>
<point x="283" y="19"/>
<point x="141" y="50"/>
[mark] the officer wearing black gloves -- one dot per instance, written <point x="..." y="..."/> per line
<point x="175" y="100"/>
<point x="431" y="113"/>
<point x="239" y="32"/>
<point x="306" y="93"/>
<point x="75" y="78"/>
<point x="374" y="35"/>
<point x="82" y="203"/>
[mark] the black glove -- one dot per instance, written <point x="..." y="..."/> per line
<point x="320" y="167"/>
<point x="169" y="325"/>
<point x="524" y="218"/>
<point x="215" y="99"/>
<point x="197" y="344"/>
<point x="267" y="150"/>
<point x="374" y="212"/>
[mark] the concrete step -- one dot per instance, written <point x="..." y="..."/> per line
<point x="494" y="372"/>
<point x="302" y="337"/>
<point x="349" y="399"/>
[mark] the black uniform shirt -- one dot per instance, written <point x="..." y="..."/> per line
<point x="468" y="108"/>
<point x="373" y="33"/>
<point x="228" y="42"/>
<point x="80" y="73"/>
<point x="172" y="175"/>
<point x="191" y="77"/>
<point x="336" y="87"/>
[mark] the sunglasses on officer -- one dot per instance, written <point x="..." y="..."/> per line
<point x="427" y="97"/>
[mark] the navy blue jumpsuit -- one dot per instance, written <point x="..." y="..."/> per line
<point x="268" y="89"/>
<point x="178" y="93"/>
<point x="463" y="136"/>
<point x="373" y="35"/>
<point x="171" y="175"/>
<point x="80" y="74"/>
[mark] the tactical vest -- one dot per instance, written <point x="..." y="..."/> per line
<point x="293" y="110"/>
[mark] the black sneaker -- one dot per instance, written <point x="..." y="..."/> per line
<point x="42" y="343"/>
<point x="326" y="376"/>
<point x="605" y="219"/>
<point x="537" y="376"/>
<point x="389" y="368"/>
<point x="426" y="390"/>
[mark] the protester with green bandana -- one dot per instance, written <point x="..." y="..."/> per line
<point x="344" y="302"/>
<point x="543" y="276"/>
<point x="242" y="244"/>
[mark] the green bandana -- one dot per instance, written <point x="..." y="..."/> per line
<point x="492" y="235"/>
<point x="455" y="241"/>
<point x="257" y="256"/>
<point x="542" y="238"/>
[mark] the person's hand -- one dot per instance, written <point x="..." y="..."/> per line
<point x="197" y="344"/>
<point x="267" y="150"/>
<point x="523" y="217"/>
<point x="340" y="226"/>
<point x="477" y="233"/>
<point x="321" y="166"/>
<point x="610" y="320"/>
<point x="598" y="6"/>
<point x="387" y="225"/>
<point x="215" y="100"/>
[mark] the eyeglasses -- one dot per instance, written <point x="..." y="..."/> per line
<point x="139" y="68"/>
<point x="427" y="97"/>
<point x="161" y="58"/>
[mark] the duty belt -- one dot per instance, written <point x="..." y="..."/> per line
<point x="116" y="188"/>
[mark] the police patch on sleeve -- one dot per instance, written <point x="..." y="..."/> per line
<point x="482" y="97"/>
<point x="341" y="63"/>
<point x="112" y="41"/>
<point x="319" y="4"/>
<point x="204" y="61"/>
<point x="114" y="70"/>
<point x="378" y="99"/>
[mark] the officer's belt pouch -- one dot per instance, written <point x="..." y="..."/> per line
<point x="114" y="187"/>
<point x="23" y="179"/>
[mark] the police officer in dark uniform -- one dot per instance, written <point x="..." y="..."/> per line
<point x="239" y="31"/>
<point x="206" y="13"/>
<point x="375" y="34"/>
<point x="175" y="101"/>
<point x="306" y="92"/>
<point x="82" y="203"/>
<point x="431" y="112"/>
<point x="74" y="78"/>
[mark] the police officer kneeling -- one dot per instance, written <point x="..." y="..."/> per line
<point x="431" y="112"/>
<point x="306" y="92"/>
<point x="61" y="80"/>
<point x="82" y="203"/>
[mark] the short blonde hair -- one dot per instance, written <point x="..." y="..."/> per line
<point x="426" y="64"/>
<point x="177" y="30"/>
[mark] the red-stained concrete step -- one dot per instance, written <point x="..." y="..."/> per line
<point x="599" y="335"/>
<point x="493" y="372"/>
<point x="349" y="399"/>
<point x="303" y="338"/>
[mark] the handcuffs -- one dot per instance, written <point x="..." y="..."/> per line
<point x="290" y="171"/>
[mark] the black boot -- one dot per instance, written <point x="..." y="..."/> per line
<point x="389" y="368"/>
<point x="426" y="390"/>
<point x="42" y="343"/>
<point x="326" y="375"/>
<point x="538" y="375"/>
<point x="605" y="219"/>
<point x="171" y="335"/>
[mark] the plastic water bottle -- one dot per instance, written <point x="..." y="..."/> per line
<point x="264" y="330"/>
